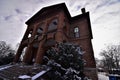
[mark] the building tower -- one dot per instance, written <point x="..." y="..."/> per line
<point x="55" y="24"/>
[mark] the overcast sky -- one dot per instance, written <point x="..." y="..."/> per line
<point x="104" y="15"/>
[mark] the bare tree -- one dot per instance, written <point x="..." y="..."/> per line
<point x="6" y="53"/>
<point x="110" y="57"/>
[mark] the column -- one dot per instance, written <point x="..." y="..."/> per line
<point x="18" y="54"/>
<point x="40" y="52"/>
<point x="59" y="34"/>
<point x="28" y="54"/>
<point x="20" y="49"/>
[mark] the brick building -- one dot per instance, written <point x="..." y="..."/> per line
<point x="55" y="24"/>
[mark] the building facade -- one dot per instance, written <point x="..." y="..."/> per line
<point x="55" y="24"/>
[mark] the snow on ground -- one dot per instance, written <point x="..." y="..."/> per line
<point x="38" y="75"/>
<point x="24" y="77"/>
<point x="102" y="76"/>
<point x="5" y="67"/>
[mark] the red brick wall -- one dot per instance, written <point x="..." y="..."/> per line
<point x="84" y="40"/>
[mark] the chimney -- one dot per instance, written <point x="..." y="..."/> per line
<point x="83" y="10"/>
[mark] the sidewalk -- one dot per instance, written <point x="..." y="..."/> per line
<point x="102" y="76"/>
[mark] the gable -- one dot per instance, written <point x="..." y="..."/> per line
<point x="48" y="10"/>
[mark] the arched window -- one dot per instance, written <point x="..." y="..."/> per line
<point x="53" y="25"/>
<point x="40" y="29"/>
<point x="76" y="32"/>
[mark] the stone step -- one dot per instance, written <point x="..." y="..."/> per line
<point x="5" y="75"/>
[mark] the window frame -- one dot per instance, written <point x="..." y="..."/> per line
<point x="51" y="23"/>
<point x="76" y="32"/>
<point x="41" y="27"/>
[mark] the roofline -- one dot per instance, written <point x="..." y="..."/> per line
<point x="63" y="5"/>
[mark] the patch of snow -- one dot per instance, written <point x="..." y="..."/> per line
<point x="24" y="77"/>
<point x="114" y="75"/>
<point x="5" y="67"/>
<point x="79" y="50"/>
<point x="102" y="77"/>
<point x="38" y="75"/>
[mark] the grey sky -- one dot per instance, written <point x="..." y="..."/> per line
<point x="104" y="15"/>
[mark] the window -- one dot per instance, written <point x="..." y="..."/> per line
<point x="53" y="25"/>
<point x="40" y="29"/>
<point x="30" y="33"/>
<point x="76" y="32"/>
<point x="49" y="42"/>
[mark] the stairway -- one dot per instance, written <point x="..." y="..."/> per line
<point x="14" y="71"/>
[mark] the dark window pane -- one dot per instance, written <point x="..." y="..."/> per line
<point x="53" y="25"/>
<point x="76" y="32"/>
<point x="76" y="29"/>
<point x="40" y="28"/>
